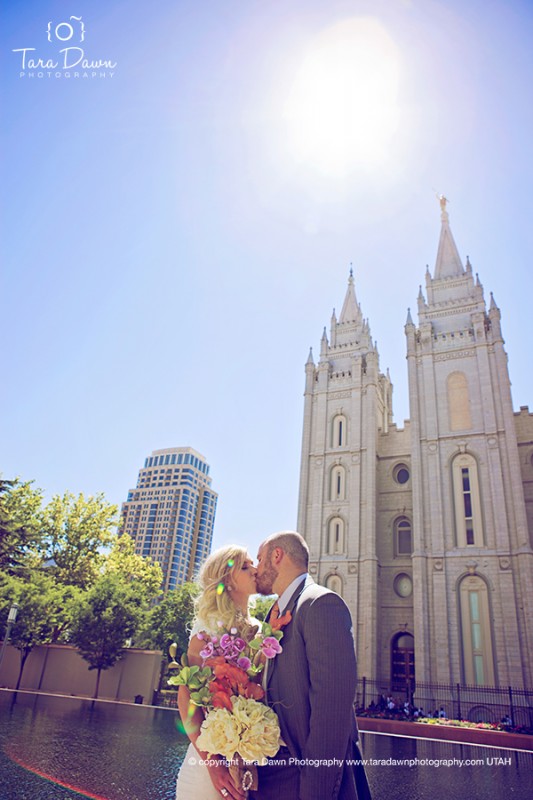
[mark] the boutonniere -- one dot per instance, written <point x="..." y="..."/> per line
<point x="280" y="622"/>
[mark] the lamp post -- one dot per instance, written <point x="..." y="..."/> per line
<point x="11" y="619"/>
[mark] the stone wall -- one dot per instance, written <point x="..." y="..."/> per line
<point x="60" y="669"/>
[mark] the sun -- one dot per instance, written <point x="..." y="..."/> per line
<point x="342" y="109"/>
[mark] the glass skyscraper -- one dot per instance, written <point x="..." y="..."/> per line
<point x="171" y="513"/>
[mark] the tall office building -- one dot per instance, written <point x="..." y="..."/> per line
<point x="425" y="530"/>
<point x="171" y="513"/>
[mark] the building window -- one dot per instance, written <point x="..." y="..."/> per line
<point x="336" y="536"/>
<point x="338" y="483"/>
<point x="334" y="582"/>
<point x="458" y="402"/>
<point x="403" y="585"/>
<point x="478" y="659"/>
<point x="402" y="662"/>
<point x="401" y="474"/>
<point x="467" y="502"/>
<point x="339" y="431"/>
<point x="403" y="540"/>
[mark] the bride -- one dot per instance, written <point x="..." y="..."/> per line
<point x="227" y="579"/>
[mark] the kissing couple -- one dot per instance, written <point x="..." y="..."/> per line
<point x="310" y="684"/>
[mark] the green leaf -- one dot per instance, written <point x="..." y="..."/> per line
<point x="202" y="697"/>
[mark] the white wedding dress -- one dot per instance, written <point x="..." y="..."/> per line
<point x="194" y="782"/>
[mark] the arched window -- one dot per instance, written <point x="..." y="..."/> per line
<point x="478" y="659"/>
<point x="468" y="519"/>
<point x="339" y="431"/>
<point x="336" y="536"/>
<point x="458" y="402"/>
<point x="403" y="540"/>
<point x="334" y="582"/>
<point x="338" y="483"/>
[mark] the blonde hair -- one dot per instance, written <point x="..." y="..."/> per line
<point x="214" y="604"/>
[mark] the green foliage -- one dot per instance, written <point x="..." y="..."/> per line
<point x="76" y="529"/>
<point x="43" y="611"/>
<point x="192" y="677"/>
<point x="20" y="506"/>
<point x="260" y="607"/>
<point x="106" y="616"/>
<point x="170" y="620"/>
<point x="196" y="680"/>
<point x="124" y="562"/>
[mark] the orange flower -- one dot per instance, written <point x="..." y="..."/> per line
<point x="218" y="686"/>
<point x="222" y="700"/>
<point x="214" y="660"/>
<point x="254" y="692"/>
<point x="232" y="673"/>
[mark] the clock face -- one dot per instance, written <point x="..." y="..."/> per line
<point x="403" y="585"/>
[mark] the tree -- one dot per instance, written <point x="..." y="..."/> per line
<point x="261" y="606"/>
<point x="76" y="530"/>
<point x="105" y="618"/>
<point x="43" y="611"/>
<point x="170" y="620"/>
<point x="124" y="562"/>
<point x="20" y="505"/>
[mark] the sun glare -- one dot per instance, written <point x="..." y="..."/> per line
<point x="342" y="109"/>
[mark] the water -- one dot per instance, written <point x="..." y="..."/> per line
<point x="53" y="748"/>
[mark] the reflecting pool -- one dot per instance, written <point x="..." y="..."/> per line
<point x="53" y="748"/>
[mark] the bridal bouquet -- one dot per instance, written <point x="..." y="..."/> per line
<point x="237" y="724"/>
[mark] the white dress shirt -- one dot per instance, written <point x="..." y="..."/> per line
<point x="285" y="596"/>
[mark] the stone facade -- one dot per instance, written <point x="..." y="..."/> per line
<point x="426" y="531"/>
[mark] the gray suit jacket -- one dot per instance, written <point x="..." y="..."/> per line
<point x="311" y="685"/>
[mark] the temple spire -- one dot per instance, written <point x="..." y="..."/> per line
<point x="350" y="309"/>
<point x="448" y="264"/>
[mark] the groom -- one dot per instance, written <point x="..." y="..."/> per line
<point x="311" y="684"/>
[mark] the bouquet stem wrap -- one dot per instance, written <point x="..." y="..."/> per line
<point x="243" y="774"/>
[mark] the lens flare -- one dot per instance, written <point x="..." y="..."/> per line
<point x="220" y="588"/>
<point x="51" y="779"/>
<point x="231" y="563"/>
<point x="180" y="727"/>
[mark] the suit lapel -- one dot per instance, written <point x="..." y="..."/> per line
<point x="291" y="605"/>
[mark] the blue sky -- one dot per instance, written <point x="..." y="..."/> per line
<point x="176" y="234"/>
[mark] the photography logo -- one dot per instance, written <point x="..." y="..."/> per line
<point x="64" y="57"/>
<point x="64" y="31"/>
